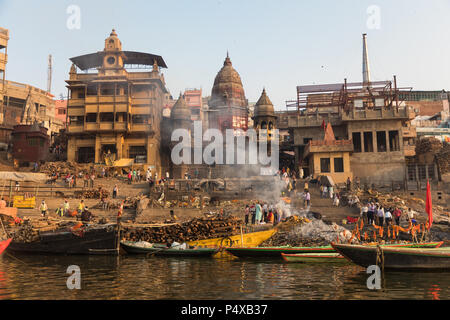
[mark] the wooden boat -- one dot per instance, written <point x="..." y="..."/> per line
<point x="396" y="258"/>
<point x="328" y="257"/>
<point x="94" y="239"/>
<point x="4" y="244"/>
<point x="246" y="239"/>
<point x="161" y="250"/>
<point x="245" y="252"/>
<point x="275" y="251"/>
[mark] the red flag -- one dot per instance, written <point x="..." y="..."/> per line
<point x="324" y="126"/>
<point x="428" y="206"/>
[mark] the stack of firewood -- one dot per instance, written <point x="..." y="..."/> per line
<point x="91" y="194"/>
<point x="195" y="229"/>
<point x="443" y="159"/>
<point x="428" y="145"/>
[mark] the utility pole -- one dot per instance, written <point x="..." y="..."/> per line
<point x="49" y="74"/>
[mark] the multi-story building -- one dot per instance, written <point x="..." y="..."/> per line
<point x="21" y="103"/>
<point x="4" y="37"/>
<point x="61" y="110"/>
<point x="372" y="117"/>
<point x="194" y="101"/>
<point x="114" y="109"/>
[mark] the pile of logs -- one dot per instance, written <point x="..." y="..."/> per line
<point x="91" y="194"/>
<point x="62" y="167"/>
<point x="428" y="145"/>
<point x="195" y="229"/>
<point x="443" y="159"/>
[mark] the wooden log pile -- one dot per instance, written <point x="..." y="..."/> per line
<point x="62" y="167"/>
<point x="428" y="145"/>
<point x="91" y="194"/>
<point x="195" y="229"/>
<point x="443" y="159"/>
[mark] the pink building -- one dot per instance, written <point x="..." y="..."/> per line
<point x="61" y="110"/>
<point x="193" y="99"/>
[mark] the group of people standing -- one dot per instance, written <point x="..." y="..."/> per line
<point x="374" y="213"/>
<point x="259" y="212"/>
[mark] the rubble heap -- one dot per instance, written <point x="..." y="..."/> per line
<point x="63" y="167"/>
<point x="195" y="229"/>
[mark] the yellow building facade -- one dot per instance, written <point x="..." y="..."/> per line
<point x="116" y="112"/>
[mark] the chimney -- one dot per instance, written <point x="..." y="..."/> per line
<point x="365" y="66"/>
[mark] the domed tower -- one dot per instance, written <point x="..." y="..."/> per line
<point x="264" y="114"/>
<point x="180" y="115"/>
<point x="180" y="118"/>
<point x="228" y="107"/>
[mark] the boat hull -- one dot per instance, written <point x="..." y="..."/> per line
<point x="397" y="258"/>
<point x="253" y="239"/>
<point x="332" y="257"/>
<point x="252" y="252"/>
<point x="4" y="244"/>
<point x="249" y="252"/>
<point x="200" y="252"/>
<point x="96" y="241"/>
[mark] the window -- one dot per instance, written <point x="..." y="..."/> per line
<point x="356" y="137"/>
<point x="394" y="141"/>
<point x="368" y="142"/>
<point x="91" y="117"/>
<point x="61" y="111"/>
<point x="338" y="164"/>
<point x="306" y="140"/>
<point x="139" y="118"/>
<point x="106" y="117"/>
<point x="381" y="141"/>
<point x="324" y="165"/>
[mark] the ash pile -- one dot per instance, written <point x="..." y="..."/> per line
<point x="303" y="232"/>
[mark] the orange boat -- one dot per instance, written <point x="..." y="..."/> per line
<point x="4" y="244"/>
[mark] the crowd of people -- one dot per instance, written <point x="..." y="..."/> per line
<point x="259" y="212"/>
<point x="374" y="213"/>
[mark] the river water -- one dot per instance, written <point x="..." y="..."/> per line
<point x="138" y="277"/>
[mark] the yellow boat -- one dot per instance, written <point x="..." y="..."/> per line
<point x="251" y="239"/>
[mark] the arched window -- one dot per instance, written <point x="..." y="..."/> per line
<point x="263" y="125"/>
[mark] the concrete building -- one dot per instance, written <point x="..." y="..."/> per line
<point x="61" y="110"/>
<point x="4" y="37"/>
<point x="21" y="103"/>
<point x="372" y="117"/>
<point x="194" y="101"/>
<point x="330" y="157"/>
<point x="115" y="109"/>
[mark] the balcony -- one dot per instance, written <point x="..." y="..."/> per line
<point x="142" y="101"/>
<point x="140" y="110"/>
<point x="91" y="126"/>
<point x="76" y="102"/>
<point x="140" y="127"/>
<point x="106" y="126"/>
<point x="3" y="60"/>
<point x="75" y="111"/>
<point x="76" y="128"/>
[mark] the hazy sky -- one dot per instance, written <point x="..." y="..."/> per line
<point x="273" y="44"/>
